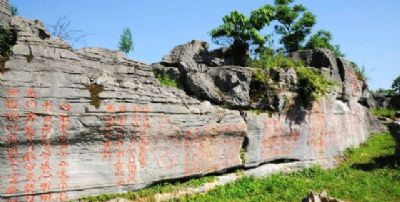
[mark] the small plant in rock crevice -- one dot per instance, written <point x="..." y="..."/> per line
<point x="95" y="90"/>
<point x="167" y="80"/>
<point x="312" y="84"/>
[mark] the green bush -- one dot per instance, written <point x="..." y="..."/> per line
<point x="313" y="84"/>
<point x="384" y="112"/>
<point x="360" y="72"/>
<point x="7" y="40"/>
<point x="270" y="60"/>
<point x="166" y="80"/>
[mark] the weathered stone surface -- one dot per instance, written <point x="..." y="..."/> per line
<point x="92" y="114"/>
<point x="194" y="67"/>
<point x="395" y="131"/>
<point x="322" y="197"/>
<point x="5" y="13"/>
<point x="340" y="70"/>
<point x="320" y="134"/>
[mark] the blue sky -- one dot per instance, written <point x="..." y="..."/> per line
<point x="368" y="31"/>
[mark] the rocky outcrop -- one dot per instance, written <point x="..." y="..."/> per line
<point x="92" y="114"/>
<point x="319" y="134"/>
<point x="384" y="100"/>
<point x="206" y="75"/>
<point x="5" y="13"/>
<point x="338" y="69"/>
<point x="322" y="197"/>
<point x="395" y="131"/>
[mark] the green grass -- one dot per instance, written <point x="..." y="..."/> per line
<point x="369" y="173"/>
<point x="150" y="192"/>
<point x="384" y="112"/>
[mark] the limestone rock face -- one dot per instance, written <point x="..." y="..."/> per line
<point x="339" y="70"/>
<point x="319" y="134"/>
<point x="5" y="13"/>
<point x="196" y="69"/>
<point x="91" y="121"/>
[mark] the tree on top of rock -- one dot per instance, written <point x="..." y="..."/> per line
<point x="241" y="32"/>
<point x="125" y="42"/>
<point x="322" y="39"/>
<point x="294" y="24"/>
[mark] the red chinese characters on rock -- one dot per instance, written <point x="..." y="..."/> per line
<point x="11" y="140"/>
<point x="277" y="143"/>
<point x="165" y="145"/>
<point x="63" y="151"/>
<point x="30" y="157"/>
<point x="46" y="151"/>
<point x="207" y="150"/>
<point x="116" y="123"/>
<point x="355" y="82"/>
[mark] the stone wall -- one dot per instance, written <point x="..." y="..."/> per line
<point x="320" y="134"/>
<point x="5" y="12"/>
<point x="90" y="121"/>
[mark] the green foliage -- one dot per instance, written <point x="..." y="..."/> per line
<point x="268" y="60"/>
<point x="384" y="112"/>
<point x="360" y="72"/>
<point x="386" y="92"/>
<point x="166" y="80"/>
<point x="14" y="10"/>
<point x="7" y="40"/>
<point x="241" y="32"/>
<point x="294" y="24"/>
<point x="313" y="84"/>
<point x="369" y="173"/>
<point x="396" y="85"/>
<point x="149" y="193"/>
<point x="125" y="42"/>
<point x="322" y="39"/>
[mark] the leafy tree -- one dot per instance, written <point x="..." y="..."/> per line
<point x="396" y="85"/>
<point x="241" y="32"/>
<point x="125" y="42"/>
<point x="322" y="39"/>
<point x="294" y="24"/>
<point x="14" y="10"/>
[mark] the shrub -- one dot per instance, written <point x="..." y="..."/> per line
<point x="270" y="60"/>
<point x="7" y="39"/>
<point x="384" y="112"/>
<point x="167" y="80"/>
<point x="360" y="72"/>
<point x="312" y="84"/>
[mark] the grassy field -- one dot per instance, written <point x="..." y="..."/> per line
<point x="369" y="173"/>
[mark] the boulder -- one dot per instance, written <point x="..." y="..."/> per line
<point x="322" y="197"/>
<point x="395" y="131"/>
<point x="206" y="75"/>
<point x="340" y="71"/>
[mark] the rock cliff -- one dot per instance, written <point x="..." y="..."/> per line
<point x="90" y="121"/>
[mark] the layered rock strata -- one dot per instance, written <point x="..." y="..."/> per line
<point x="90" y="121"/>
